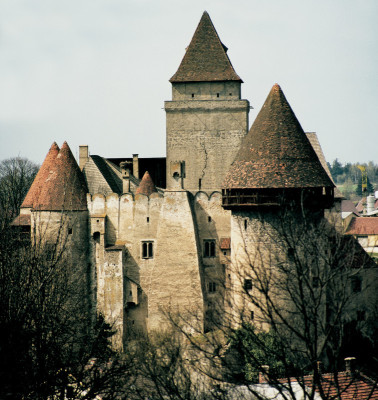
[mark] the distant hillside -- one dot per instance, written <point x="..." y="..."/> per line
<point x="348" y="177"/>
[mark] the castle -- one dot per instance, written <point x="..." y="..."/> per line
<point x="161" y="233"/>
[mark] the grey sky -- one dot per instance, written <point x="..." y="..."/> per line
<point x="96" y="71"/>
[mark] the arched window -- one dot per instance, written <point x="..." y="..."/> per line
<point x="148" y="249"/>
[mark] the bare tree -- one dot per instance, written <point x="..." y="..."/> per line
<point x="296" y="288"/>
<point x="16" y="176"/>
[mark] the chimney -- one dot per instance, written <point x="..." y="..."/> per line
<point x="349" y="364"/>
<point x="125" y="170"/>
<point x="83" y="156"/>
<point x="136" y="166"/>
<point x="264" y="374"/>
<point x="370" y="201"/>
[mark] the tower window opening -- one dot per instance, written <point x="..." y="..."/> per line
<point x="209" y="219"/>
<point x="192" y="95"/>
<point x="217" y="94"/>
<point x="247" y="285"/>
<point x="212" y="287"/>
<point x="199" y="183"/>
<point x="230" y="94"/>
<point x="209" y="248"/>
<point x="148" y="219"/>
<point x="147" y="249"/>
<point x="70" y="231"/>
<point x="245" y="224"/>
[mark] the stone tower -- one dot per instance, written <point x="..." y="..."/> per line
<point x="206" y="119"/>
<point x="275" y="185"/>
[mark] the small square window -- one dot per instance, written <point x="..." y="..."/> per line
<point x="70" y="231"/>
<point x="212" y="287"/>
<point x="247" y="285"/>
<point x="147" y="249"/>
<point x="209" y="248"/>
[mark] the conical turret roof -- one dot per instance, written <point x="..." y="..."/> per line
<point x="35" y="189"/>
<point x="205" y="58"/>
<point x="146" y="185"/>
<point x="64" y="188"/>
<point x="276" y="152"/>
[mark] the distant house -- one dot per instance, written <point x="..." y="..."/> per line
<point x="365" y="229"/>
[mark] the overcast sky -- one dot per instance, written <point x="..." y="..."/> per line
<point x="96" y="72"/>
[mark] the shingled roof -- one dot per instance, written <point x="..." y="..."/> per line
<point x="276" y="152"/>
<point x="35" y="189"/>
<point x="64" y="187"/>
<point x="146" y="186"/>
<point x="206" y="57"/>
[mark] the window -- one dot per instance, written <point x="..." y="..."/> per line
<point x="70" y="231"/>
<point x="247" y="285"/>
<point x="209" y="248"/>
<point x="356" y="284"/>
<point x="252" y="315"/>
<point x="211" y="287"/>
<point x="192" y="95"/>
<point x="148" y="219"/>
<point x="208" y="219"/>
<point x="245" y="224"/>
<point x="217" y="94"/>
<point x="148" y="249"/>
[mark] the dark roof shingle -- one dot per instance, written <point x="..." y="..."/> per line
<point x="276" y="152"/>
<point x="206" y="58"/>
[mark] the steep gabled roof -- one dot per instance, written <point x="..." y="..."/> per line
<point x="64" y="188"/>
<point x="206" y="58"/>
<point x="146" y="185"/>
<point x="35" y="189"/>
<point x="276" y="152"/>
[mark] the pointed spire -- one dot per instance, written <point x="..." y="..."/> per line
<point x="146" y="186"/>
<point x="35" y="188"/>
<point x="205" y="59"/>
<point x="64" y="188"/>
<point x="276" y="152"/>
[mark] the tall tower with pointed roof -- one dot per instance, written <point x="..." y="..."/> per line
<point x="206" y="119"/>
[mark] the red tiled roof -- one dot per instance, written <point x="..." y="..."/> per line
<point x="22" y="220"/>
<point x="64" y="187"/>
<point x="276" y="152"/>
<point x="205" y="58"/>
<point x="363" y="226"/>
<point x="225" y="243"/>
<point x="146" y="185"/>
<point x="346" y="386"/>
<point x="35" y="188"/>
